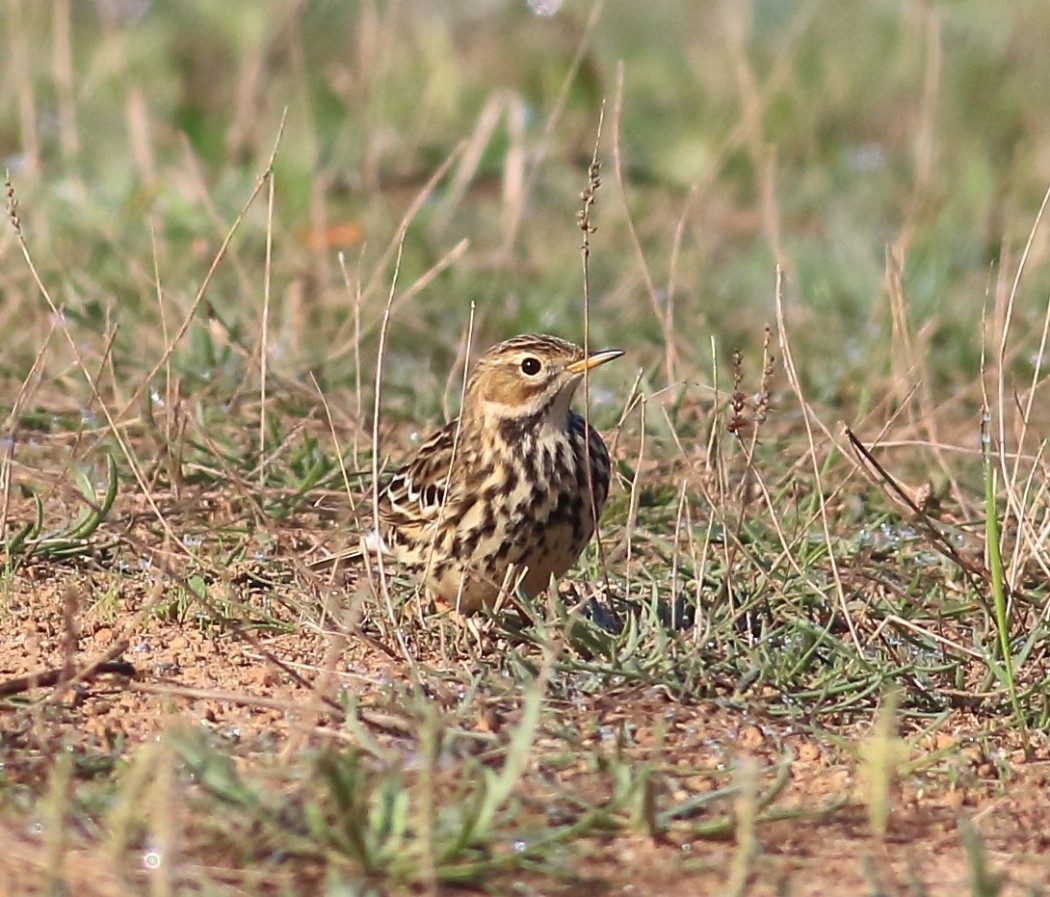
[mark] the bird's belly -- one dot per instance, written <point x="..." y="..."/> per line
<point x="537" y="541"/>
<point x="559" y="547"/>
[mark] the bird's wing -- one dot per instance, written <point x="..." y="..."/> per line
<point x="417" y="492"/>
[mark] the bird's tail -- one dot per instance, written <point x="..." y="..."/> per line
<point x="370" y="541"/>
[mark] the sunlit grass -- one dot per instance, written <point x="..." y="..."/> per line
<point x="810" y="214"/>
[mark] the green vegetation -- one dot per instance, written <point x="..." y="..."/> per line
<point x="818" y="607"/>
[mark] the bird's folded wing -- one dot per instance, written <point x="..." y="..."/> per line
<point x="417" y="492"/>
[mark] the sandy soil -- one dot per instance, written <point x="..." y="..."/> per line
<point x="260" y="688"/>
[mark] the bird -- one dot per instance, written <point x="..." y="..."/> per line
<point x="508" y="494"/>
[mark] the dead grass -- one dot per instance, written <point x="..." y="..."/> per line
<point x="246" y="265"/>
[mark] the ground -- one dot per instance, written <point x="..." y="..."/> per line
<point x="259" y="692"/>
<point x="250" y="251"/>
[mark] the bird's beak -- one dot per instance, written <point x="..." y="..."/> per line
<point x="593" y="361"/>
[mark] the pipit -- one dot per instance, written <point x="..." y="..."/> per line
<point x="508" y="494"/>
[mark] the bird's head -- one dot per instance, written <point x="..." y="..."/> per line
<point x="530" y="379"/>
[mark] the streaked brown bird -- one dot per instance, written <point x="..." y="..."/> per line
<point x="512" y="488"/>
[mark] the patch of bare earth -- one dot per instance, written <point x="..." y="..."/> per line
<point x="263" y="688"/>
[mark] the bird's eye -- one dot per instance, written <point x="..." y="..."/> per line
<point x="530" y="366"/>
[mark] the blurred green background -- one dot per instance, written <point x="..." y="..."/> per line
<point x="827" y="136"/>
